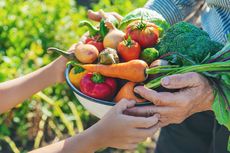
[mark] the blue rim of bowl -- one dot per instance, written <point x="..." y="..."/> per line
<point x="75" y="90"/>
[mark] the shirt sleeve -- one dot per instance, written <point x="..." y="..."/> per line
<point x="173" y="10"/>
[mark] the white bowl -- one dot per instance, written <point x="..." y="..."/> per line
<point x="96" y="107"/>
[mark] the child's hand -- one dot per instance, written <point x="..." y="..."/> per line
<point x="121" y="131"/>
<point x="59" y="65"/>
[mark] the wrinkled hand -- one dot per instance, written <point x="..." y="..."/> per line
<point x="97" y="16"/>
<point x="121" y="131"/>
<point x="195" y="95"/>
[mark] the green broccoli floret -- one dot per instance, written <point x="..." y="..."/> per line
<point x="188" y="40"/>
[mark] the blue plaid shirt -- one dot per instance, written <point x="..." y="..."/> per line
<point x="215" y="18"/>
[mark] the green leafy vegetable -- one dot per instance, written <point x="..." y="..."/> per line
<point x="103" y="30"/>
<point x="219" y="106"/>
<point x="216" y="69"/>
<point x="188" y="40"/>
<point x="145" y="14"/>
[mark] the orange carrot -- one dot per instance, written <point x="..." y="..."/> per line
<point x="133" y="70"/>
<point x="127" y="92"/>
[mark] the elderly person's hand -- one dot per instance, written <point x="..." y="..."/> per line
<point x="195" y="95"/>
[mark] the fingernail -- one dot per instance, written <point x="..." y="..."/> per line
<point x="165" y="81"/>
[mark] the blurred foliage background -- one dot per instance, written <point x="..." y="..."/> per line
<point x="27" y="29"/>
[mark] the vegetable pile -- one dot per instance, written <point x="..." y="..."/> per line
<point x="119" y="51"/>
<point x="143" y="48"/>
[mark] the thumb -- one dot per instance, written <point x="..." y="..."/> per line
<point x="73" y="47"/>
<point x="124" y="104"/>
<point x="179" y="81"/>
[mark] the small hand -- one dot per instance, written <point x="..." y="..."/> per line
<point x="195" y="95"/>
<point x="59" y="65"/>
<point x="121" y="131"/>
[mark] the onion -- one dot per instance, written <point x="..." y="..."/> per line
<point x="114" y="37"/>
<point x="86" y="53"/>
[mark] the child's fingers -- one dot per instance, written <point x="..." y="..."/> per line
<point x="73" y="47"/>
<point x="144" y="122"/>
<point x="124" y="104"/>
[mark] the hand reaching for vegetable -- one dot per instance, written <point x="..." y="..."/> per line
<point x="195" y="95"/>
<point x="122" y="131"/>
<point x="97" y="16"/>
<point x="60" y="65"/>
<point x="23" y="87"/>
<point x="114" y="130"/>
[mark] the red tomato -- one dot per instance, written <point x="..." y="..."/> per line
<point x="88" y="39"/>
<point x="129" y="49"/>
<point x="95" y="41"/>
<point x="97" y="44"/>
<point x="143" y="32"/>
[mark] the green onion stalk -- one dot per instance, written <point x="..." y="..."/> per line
<point x="205" y="69"/>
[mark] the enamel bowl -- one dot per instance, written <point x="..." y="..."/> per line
<point x="96" y="107"/>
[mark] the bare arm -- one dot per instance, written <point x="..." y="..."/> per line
<point x="115" y="129"/>
<point x="15" y="91"/>
<point x="84" y="142"/>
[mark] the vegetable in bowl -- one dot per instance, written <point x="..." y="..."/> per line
<point x="95" y="106"/>
<point x="186" y="49"/>
<point x="188" y="40"/>
<point x="146" y="15"/>
<point x="149" y="55"/>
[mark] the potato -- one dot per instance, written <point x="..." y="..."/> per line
<point x="86" y="53"/>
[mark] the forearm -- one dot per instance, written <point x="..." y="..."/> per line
<point x="15" y="91"/>
<point x="85" y="142"/>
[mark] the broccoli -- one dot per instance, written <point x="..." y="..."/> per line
<point x="188" y="40"/>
